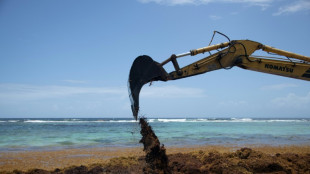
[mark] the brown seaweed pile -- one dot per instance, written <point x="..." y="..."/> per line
<point x="155" y="158"/>
<point x="243" y="161"/>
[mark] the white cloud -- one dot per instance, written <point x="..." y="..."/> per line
<point x="75" y="81"/>
<point x="22" y="92"/>
<point x="302" y="5"/>
<point x="234" y="13"/>
<point x="296" y="6"/>
<point x="22" y="100"/>
<point x="171" y="92"/>
<point x="233" y="103"/>
<point x="262" y="3"/>
<point x="292" y="101"/>
<point x="169" y="2"/>
<point x="279" y="86"/>
<point x="215" y="17"/>
<point x="55" y="100"/>
<point x="17" y="92"/>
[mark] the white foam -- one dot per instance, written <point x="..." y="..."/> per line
<point x="13" y="121"/>
<point x="151" y="120"/>
<point x="78" y="121"/>
<point x="165" y="120"/>
<point x="44" y="121"/>
<point x="236" y="120"/>
<point x="123" y="121"/>
<point x="302" y="120"/>
<point x="241" y="120"/>
<point x="172" y="120"/>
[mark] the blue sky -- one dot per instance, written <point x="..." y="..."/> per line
<point x="71" y="58"/>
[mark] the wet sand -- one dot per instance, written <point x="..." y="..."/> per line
<point x="50" y="160"/>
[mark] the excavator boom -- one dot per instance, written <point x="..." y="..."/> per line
<point x="233" y="53"/>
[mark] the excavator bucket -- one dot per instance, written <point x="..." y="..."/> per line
<point x="143" y="70"/>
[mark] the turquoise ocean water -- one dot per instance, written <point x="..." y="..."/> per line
<point x="60" y="133"/>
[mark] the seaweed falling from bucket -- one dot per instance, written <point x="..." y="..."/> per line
<point x="156" y="158"/>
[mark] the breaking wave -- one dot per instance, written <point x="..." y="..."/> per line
<point x="152" y="120"/>
<point x="227" y="120"/>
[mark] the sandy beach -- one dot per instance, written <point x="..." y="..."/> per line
<point x="60" y="159"/>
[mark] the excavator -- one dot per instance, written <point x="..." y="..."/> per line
<point x="228" y="54"/>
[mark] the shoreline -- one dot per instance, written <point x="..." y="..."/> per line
<point x="50" y="160"/>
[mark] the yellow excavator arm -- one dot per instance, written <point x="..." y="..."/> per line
<point x="233" y="53"/>
<point x="239" y="53"/>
